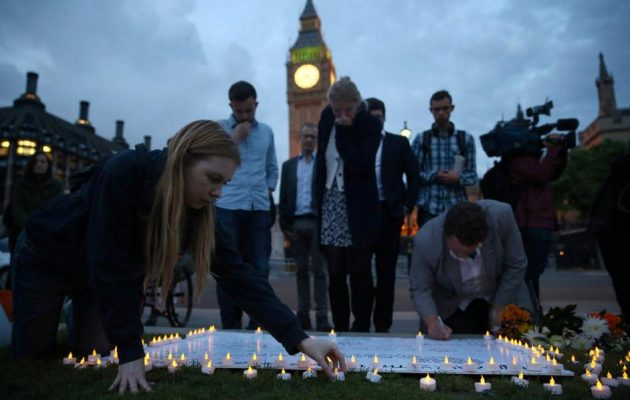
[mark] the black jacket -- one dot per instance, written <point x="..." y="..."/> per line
<point x="96" y="236"/>
<point x="357" y="145"/>
<point x="288" y="193"/>
<point x="397" y="159"/>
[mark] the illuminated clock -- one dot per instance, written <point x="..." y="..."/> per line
<point x="306" y="76"/>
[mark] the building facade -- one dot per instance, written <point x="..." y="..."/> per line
<point x="310" y="72"/>
<point x="612" y="123"/>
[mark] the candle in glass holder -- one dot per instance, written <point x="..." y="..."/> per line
<point x="303" y="362"/>
<point x="339" y="375"/>
<point x="309" y="373"/>
<point x="589" y="377"/>
<point x="608" y="380"/>
<point x="623" y="379"/>
<point x="173" y="367"/>
<point x="283" y="376"/>
<point x="600" y="391"/>
<point x="250" y="373"/>
<point x="482" y="385"/>
<point x="520" y="380"/>
<point x="253" y="361"/>
<point x="280" y="361"/>
<point x="470" y="366"/>
<point x="228" y="360"/>
<point x="446" y="365"/>
<point x="70" y="360"/>
<point x="427" y="383"/>
<point x="553" y="387"/>
<point x="373" y="376"/>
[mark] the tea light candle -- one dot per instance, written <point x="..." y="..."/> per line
<point x="555" y="366"/>
<point x="420" y="336"/>
<point x="446" y="365"/>
<point x="207" y="367"/>
<point x="427" y="383"/>
<point x="93" y="357"/>
<point x="623" y="379"/>
<point x="173" y="367"/>
<point x="573" y="360"/>
<point x="520" y="380"/>
<point x="487" y="336"/>
<point x="280" y="362"/>
<point x="228" y="360"/>
<point x="184" y="361"/>
<point x="309" y="374"/>
<point x="250" y="373"/>
<point x="589" y="377"/>
<point x="148" y="365"/>
<point x="373" y="377"/>
<point x="100" y="364"/>
<point x="212" y="329"/>
<point x="600" y="391"/>
<point x="594" y="367"/>
<point x="353" y="363"/>
<point x="253" y="361"/>
<point x="375" y="361"/>
<point x="608" y="380"/>
<point x="514" y="364"/>
<point x="69" y="360"/>
<point x="339" y="375"/>
<point x="114" y="353"/>
<point x="491" y="365"/>
<point x="332" y="334"/>
<point x="482" y="385"/>
<point x="303" y="362"/>
<point x="259" y="331"/>
<point x="283" y="376"/>
<point x="558" y="354"/>
<point x="414" y="362"/>
<point x="533" y="365"/>
<point x="553" y="387"/>
<point x="470" y="366"/>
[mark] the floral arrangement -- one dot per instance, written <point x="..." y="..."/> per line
<point x="562" y="328"/>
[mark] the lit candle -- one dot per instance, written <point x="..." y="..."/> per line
<point x="253" y="361"/>
<point x="375" y="361"/>
<point x="553" y="387"/>
<point x="113" y="356"/>
<point x="557" y="353"/>
<point x="205" y="356"/>
<point x="573" y="360"/>
<point x="184" y="361"/>
<point x="80" y="364"/>
<point x="170" y="356"/>
<point x="600" y="391"/>
<point x="353" y="363"/>
<point x="414" y="362"/>
<point x="373" y="377"/>
<point x="280" y="362"/>
<point x="93" y="357"/>
<point x="303" y="362"/>
<point x="491" y="365"/>
<point x="446" y="365"/>
<point x="228" y="360"/>
<point x="420" y="336"/>
<point x="589" y="377"/>
<point x="173" y="367"/>
<point x="427" y="383"/>
<point x="259" y="331"/>
<point x="332" y="334"/>
<point x="487" y="336"/>
<point x="624" y="380"/>
<point x="250" y="373"/>
<point x="212" y="329"/>
<point x="148" y="365"/>
<point x="534" y="365"/>
<point x="608" y="380"/>
<point x="555" y="366"/>
<point x="520" y="380"/>
<point x="283" y="376"/>
<point x="514" y="365"/>
<point x="594" y="367"/>
<point x="69" y="360"/>
<point x="482" y="385"/>
<point x="339" y="375"/>
<point x="100" y="364"/>
<point x="309" y="374"/>
<point x="470" y="366"/>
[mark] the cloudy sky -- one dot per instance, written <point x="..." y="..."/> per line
<point x="158" y="64"/>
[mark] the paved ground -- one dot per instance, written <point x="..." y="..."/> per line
<point x="590" y="290"/>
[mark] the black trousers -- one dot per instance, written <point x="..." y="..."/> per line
<point x="38" y="296"/>
<point x="474" y="319"/>
<point x="355" y="262"/>
<point x="385" y="257"/>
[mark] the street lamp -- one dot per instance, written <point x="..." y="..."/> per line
<point x="405" y="131"/>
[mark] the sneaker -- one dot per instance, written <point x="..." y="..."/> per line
<point x="305" y="321"/>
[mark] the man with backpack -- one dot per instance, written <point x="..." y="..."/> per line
<point x="446" y="157"/>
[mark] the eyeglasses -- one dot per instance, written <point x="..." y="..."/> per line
<point x="443" y="108"/>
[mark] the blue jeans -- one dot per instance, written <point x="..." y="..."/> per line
<point x="250" y="235"/>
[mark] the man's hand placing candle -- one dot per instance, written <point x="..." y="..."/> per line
<point x="131" y="375"/>
<point x="436" y="328"/>
<point x="320" y="351"/>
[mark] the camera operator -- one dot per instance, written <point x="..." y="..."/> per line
<point x="531" y="175"/>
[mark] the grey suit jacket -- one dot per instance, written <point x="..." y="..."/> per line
<point x="435" y="278"/>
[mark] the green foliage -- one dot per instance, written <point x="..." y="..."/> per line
<point x="586" y="171"/>
<point x="557" y="319"/>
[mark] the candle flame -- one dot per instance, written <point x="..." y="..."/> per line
<point x="513" y="360"/>
<point x="375" y="371"/>
<point x="170" y="355"/>
<point x="182" y="357"/>
<point x="98" y="362"/>
<point x="329" y="359"/>
<point x="212" y="328"/>
<point x="552" y="381"/>
<point x="469" y="362"/>
<point x="375" y="359"/>
<point x="228" y="356"/>
<point x="171" y="337"/>
<point x="283" y="371"/>
<point x="482" y="380"/>
<point x="309" y="369"/>
<point x="593" y="364"/>
<point x="500" y="337"/>
<point x="592" y="352"/>
<point x="205" y="356"/>
<point x="116" y="352"/>
<point x="258" y="330"/>
<point x="174" y="364"/>
<point x="599" y="385"/>
<point x="548" y="358"/>
<point x="419" y="333"/>
<point x="147" y="356"/>
<point x="353" y="359"/>
<point x="336" y="371"/>
<point x="625" y="375"/>
<point x="608" y="375"/>
<point x="533" y="360"/>
<point x="572" y="358"/>
<point x="254" y="357"/>
<point x="280" y="358"/>
<point x="554" y="362"/>
<point x="526" y="346"/>
<point x="250" y="370"/>
<point x="491" y="360"/>
<point x="427" y="377"/>
<point x="146" y="362"/>
<point x="209" y="365"/>
<point x="69" y="355"/>
<point x="303" y="358"/>
<point x="445" y="359"/>
<point x="94" y="352"/>
<point x="82" y="361"/>
<point x="520" y="375"/>
<point x="332" y="331"/>
<point x="487" y="333"/>
<point x="414" y="360"/>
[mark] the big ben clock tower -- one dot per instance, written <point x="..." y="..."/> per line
<point x="310" y="72"/>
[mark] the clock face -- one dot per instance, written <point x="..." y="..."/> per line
<point x="306" y="76"/>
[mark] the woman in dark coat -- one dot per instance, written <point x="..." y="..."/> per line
<point x="122" y="230"/>
<point x="347" y="198"/>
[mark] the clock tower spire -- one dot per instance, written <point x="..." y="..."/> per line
<point x="310" y="72"/>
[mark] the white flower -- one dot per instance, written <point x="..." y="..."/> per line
<point x="594" y="327"/>
<point x="582" y="342"/>
<point x="535" y="337"/>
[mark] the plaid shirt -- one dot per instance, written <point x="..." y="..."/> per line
<point x="436" y="197"/>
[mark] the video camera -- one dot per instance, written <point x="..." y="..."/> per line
<point x="522" y="135"/>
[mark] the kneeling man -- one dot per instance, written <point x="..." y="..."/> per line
<point x="468" y="264"/>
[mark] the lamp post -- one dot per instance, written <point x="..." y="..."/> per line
<point x="405" y="131"/>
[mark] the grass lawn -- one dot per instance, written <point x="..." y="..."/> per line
<point x="39" y="380"/>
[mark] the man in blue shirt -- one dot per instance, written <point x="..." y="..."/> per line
<point x="244" y="207"/>
<point x="446" y="157"/>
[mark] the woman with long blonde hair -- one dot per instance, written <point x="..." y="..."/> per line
<point x="123" y="229"/>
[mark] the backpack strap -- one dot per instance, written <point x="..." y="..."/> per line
<point x="426" y="144"/>
<point x="461" y="142"/>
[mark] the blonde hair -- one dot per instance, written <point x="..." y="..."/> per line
<point x="344" y="89"/>
<point x="170" y="220"/>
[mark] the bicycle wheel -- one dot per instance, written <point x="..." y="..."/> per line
<point x="180" y="299"/>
